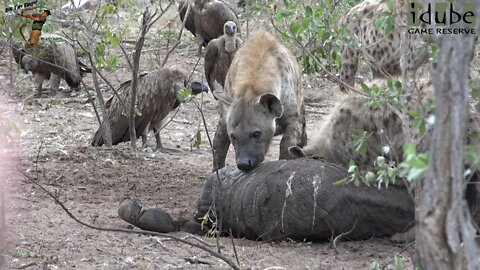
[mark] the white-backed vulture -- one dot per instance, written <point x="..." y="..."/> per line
<point x="157" y="95"/>
<point x="182" y="10"/>
<point x="219" y="55"/>
<point x="210" y="16"/>
<point x="51" y="60"/>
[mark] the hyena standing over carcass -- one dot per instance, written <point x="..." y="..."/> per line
<point x="262" y="98"/>
<point x="383" y="53"/>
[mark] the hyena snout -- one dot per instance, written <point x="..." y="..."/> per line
<point x="249" y="161"/>
<point x="246" y="164"/>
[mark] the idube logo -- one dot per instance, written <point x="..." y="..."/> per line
<point x="441" y="18"/>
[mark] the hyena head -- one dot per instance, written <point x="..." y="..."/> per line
<point x="251" y="127"/>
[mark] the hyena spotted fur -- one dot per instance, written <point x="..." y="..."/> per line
<point x="262" y="98"/>
<point x="383" y="53"/>
<point x="387" y="129"/>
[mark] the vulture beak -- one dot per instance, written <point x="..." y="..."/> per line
<point x="27" y="62"/>
<point x="198" y="87"/>
<point x="26" y="67"/>
<point x="230" y="28"/>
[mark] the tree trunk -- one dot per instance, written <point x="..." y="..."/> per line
<point x="445" y="236"/>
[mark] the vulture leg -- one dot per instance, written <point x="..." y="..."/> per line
<point x="200" y="42"/>
<point x="54" y="84"/>
<point x="38" y="81"/>
<point x="158" y="139"/>
<point x="145" y="137"/>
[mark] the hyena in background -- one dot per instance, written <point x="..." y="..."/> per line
<point x="262" y="98"/>
<point x="383" y="53"/>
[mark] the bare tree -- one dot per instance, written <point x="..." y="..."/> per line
<point x="445" y="235"/>
<point x="148" y="19"/>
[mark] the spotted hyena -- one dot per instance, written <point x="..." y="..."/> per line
<point x="383" y="53"/>
<point x="262" y="98"/>
<point x="387" y="129"/>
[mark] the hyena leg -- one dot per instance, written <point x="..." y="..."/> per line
<point x="221" y="143"/>
<point x="292" y="136"/>
<point x="349" y="66"/>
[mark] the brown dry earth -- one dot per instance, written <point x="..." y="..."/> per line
<point x="52" y="145"/>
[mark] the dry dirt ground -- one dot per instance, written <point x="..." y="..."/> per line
<point x="51" y="143"/>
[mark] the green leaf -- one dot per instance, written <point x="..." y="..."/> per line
<point x="186" y="94"/>
<point x="295" y="28"/>
<point x="389" y="26"/>
<point x="340" y="181"/>
<point x="390" y="5"/>
<point x="380" y="161"/>
<point x="398" y="263"/>
<point x="415" y="174"/>
<point x="365" y="88"/>
<point x="308" y="11"/>
<point x="374" y="266"/>
<point x="362" y="148"/>
<point x="369" y="177"/>
<point x="409" y="149"/>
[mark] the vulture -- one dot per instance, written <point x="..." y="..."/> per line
<point x="51" y="61"/>
<point x="156" y="96"/>
<point x="210" y="16"/>
<point x="182" y="11"/>
<point x="219" y="54"/>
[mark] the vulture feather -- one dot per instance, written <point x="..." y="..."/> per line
<point x="182" y="10"/>
<point x="51" y="61"/>
<point x="219" y="55"/>
<point x="210" y="16"/>
<point x="157" y="95"/>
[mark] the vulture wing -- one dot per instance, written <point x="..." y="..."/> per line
<point x="211" y="58"/>
<point x="190" y="17"/>
<point x="67" y="65"/>
<point x="212" y="19"/>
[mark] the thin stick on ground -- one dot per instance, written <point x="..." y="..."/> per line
<point x="340" y="236"/>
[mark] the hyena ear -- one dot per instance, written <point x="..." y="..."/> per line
<point x="296" y="152"/>
<point x="222" y="98"/>
<point x="272" y="103"/>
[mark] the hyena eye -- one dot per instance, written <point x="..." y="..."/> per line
<point x="256" y="134"/>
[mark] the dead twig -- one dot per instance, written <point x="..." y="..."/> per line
<point x="25" y="266"/>
<point x="167" y="55"/>
<point x="340" y="236"/>
<point x="234" y="248"/>
<point x="188" y="237"/>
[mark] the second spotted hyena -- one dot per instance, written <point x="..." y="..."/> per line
<point x="387" y="129"/>
<point x="262" y="98"/>
<point x="383" y="53"/>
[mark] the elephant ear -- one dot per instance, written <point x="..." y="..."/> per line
<point x="272" y="104"/>
<point x="296" y="152"/>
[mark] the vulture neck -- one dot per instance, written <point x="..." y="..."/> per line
<point x="230" y="43"/>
